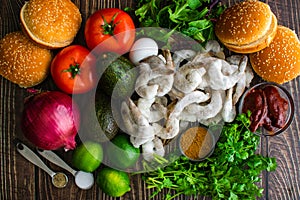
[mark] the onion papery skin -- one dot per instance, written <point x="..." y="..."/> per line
<point x="50" y="120"/>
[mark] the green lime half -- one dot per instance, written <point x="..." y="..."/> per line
<point x="113" y="182"/>
<point x="121" y="153"/>
<point x="87" y="156"/>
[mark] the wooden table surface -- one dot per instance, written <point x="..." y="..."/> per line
<point x="20" y="179"/>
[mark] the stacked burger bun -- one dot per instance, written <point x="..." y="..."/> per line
<point x="250" y="27"/>
<point x="246" y="27"/>
<point x="25" y="56"/>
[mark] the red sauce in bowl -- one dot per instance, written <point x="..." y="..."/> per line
<point x="268" y="108"/>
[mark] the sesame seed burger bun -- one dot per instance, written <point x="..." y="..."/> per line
<point x="246" y="27"/>
<point x="280" y="61"/>
<point x="51" y="23"/>
<point x="22" y="61"/>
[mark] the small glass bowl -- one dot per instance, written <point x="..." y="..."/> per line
<point x="203" y="154"/>
<point x="284" y="94"/>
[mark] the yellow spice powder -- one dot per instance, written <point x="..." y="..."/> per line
<point x="196" y="143"/>
<point x="60" y="180"/>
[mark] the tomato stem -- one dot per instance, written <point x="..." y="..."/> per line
<point x="108" y="28"/>
<point x="74" y="70"/>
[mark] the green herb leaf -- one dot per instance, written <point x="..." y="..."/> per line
<point x="194" y="4"/>
<point x="230" y="173"/>
<point x="201" y="24"/>
<point x="180" y="15"/>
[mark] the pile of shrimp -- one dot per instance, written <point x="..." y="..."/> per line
<point x="182" y="88"/>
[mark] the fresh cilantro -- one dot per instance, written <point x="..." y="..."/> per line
<point x="230" y="173"/>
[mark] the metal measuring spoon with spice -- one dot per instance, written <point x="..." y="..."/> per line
<point x="197" y="143"/>
<point x="59" y="179"/>
<point x="84" y="180"/>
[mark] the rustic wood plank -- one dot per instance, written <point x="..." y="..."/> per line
<point x="284" y="183"/>
<point x="11" y="163"/>
<point x="17" y="174"/>
<point x="19" y="179"/>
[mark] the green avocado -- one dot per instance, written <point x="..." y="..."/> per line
<point x="103" y="126"/>
<point x="118" y="75"/>
<point x="105" y="115"/>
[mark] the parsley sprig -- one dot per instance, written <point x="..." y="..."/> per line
<point x="230" y="173"/>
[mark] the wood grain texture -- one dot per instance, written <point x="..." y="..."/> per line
<point x="19" y="179"/>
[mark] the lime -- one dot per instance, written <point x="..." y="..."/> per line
<point x="121" y="153"/>
<point x="87" y="156"/>
<point x="113" y="182"/>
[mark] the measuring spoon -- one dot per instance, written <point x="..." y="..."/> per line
<point x="83" y="180"/>
<point x="59" y="179"/>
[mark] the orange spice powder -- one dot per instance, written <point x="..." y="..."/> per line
<point x="196" y="143"/>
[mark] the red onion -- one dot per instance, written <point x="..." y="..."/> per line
<point x="51" y="120"/>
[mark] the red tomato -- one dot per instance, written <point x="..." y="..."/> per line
<point x="73" y="70"/>
<point x="111" y="27"/>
